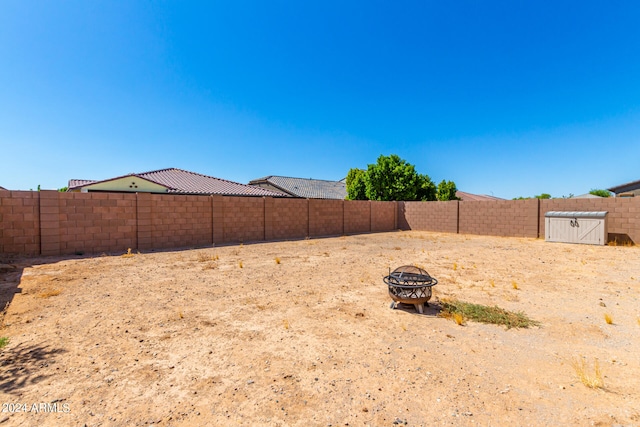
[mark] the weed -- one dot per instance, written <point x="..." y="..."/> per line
<point x="403" y="327"/>
<point x="514" y="285"/>
<point x="277" y="260"/>
<point x="204" y="257"/>
<point x="485" y="314"/>
<point x="49" y="293"/>
<point x="397" y="248"/>
<point x="492" y="283"/>
<point x="4" y="341"/>
<point x="455" y="266"/>
<point x="180" y="314"/>
<point x="608" y="318"/>
<point x="286" y="323"/>
<point x="128" y="254"/>
<point x="240" y="264"/>
<point x="638" y="320"/>
<point x="210" y="266"/>
<point x="458" y="318"/>
<point x="589" y="380"/>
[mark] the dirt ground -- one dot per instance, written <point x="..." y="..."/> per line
<point x="302" y="333"/>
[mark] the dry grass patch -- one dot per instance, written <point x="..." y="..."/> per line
<point x="608" y="318"/>
<point x="458" y="311"/>
<point x="594" y="380"/>
<point x="49" y="293"/>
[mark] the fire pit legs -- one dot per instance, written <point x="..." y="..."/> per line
<point x="419" y="307"/>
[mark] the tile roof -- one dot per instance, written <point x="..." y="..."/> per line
<point x="468" y="197"/>
<point x="623" y="188"/>
<point x="307" y="188"/>
<point x="184" y="182"/>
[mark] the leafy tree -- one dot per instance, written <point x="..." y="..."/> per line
<point x="447" y="191"/>
<point x="427" y="190"/>
<point x="392" y="178"/>
<point x="356" y="185"/>
<point x="601" y="193"/>
<point x="543" y="196"/>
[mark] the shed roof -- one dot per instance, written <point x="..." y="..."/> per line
<point x="468" y="197"/>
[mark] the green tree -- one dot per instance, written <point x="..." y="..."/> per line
<point x="427" y="190"/>
<point x="543" y="196"/>
<point x="601" y="193"/>
<point x="447" y="191"/>
<point x="356" y="185"/>
<point x="392" y="178"/>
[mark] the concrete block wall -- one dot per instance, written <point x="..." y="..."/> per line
<point x="86" y="223"/>
<point x="516" y="218"/>
<point x="19" y="222"/>
<point x="177" y="221"/>
<point x="384" y="216"/>
<point x="326" y="217"/>
<point x="357" y="216"/>
<point x="428" y="216"/>
<point x="53" y="223"/>
<point x="623" y="218"/>
<point x="243" y="219"/>
<point x="286" y="218"/>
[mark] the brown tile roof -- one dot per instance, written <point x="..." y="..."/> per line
<point x="184" y="182"/>
<point x="468" y="197"/>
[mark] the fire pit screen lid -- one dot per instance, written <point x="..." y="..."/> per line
<point x="410" y="275"/>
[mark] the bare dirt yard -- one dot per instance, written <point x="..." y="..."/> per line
<point x="302" y="333"/>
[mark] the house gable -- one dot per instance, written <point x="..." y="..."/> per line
<point x="130" y="183"/>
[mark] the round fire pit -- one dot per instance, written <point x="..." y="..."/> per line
<point x="410" y="285"/>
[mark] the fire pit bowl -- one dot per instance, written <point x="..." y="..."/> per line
<point x="410" y="285"/>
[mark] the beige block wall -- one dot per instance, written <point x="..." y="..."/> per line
<point x="515" y="218"/>
<point x="286" y="218"/>
<point x="89" y="222"/>
<point x="384" y="216"/>
<point x="20" y="222"/>
<point x="52" y="223"/>
<point x="357" y="216"/>
<point x="243" y="219"/>
<point x="178" y="221"/>
<point x="326" y="217"/>
<point x="428" y="216"/>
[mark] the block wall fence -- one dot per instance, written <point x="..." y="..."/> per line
<point x="54" y="223"/>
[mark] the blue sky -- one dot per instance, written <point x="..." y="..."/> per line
<point x="508" y="98"/>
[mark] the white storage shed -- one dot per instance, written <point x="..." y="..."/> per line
<point x="576" y="227"/>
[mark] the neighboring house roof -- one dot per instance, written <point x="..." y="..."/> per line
<point x="2" y="188"/>
<point x="303" y="187"/>
<point x="177" y="181"/>
<point x="625" y="188"/>
<point x="468" y="197"/>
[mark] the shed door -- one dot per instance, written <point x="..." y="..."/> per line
<point x="589" y="231"/>
<point x="560" y="230"/>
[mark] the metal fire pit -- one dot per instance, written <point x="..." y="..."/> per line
<point x="410" y="285"/>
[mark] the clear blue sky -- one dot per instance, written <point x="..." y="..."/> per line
<point x="509" y="98"/>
